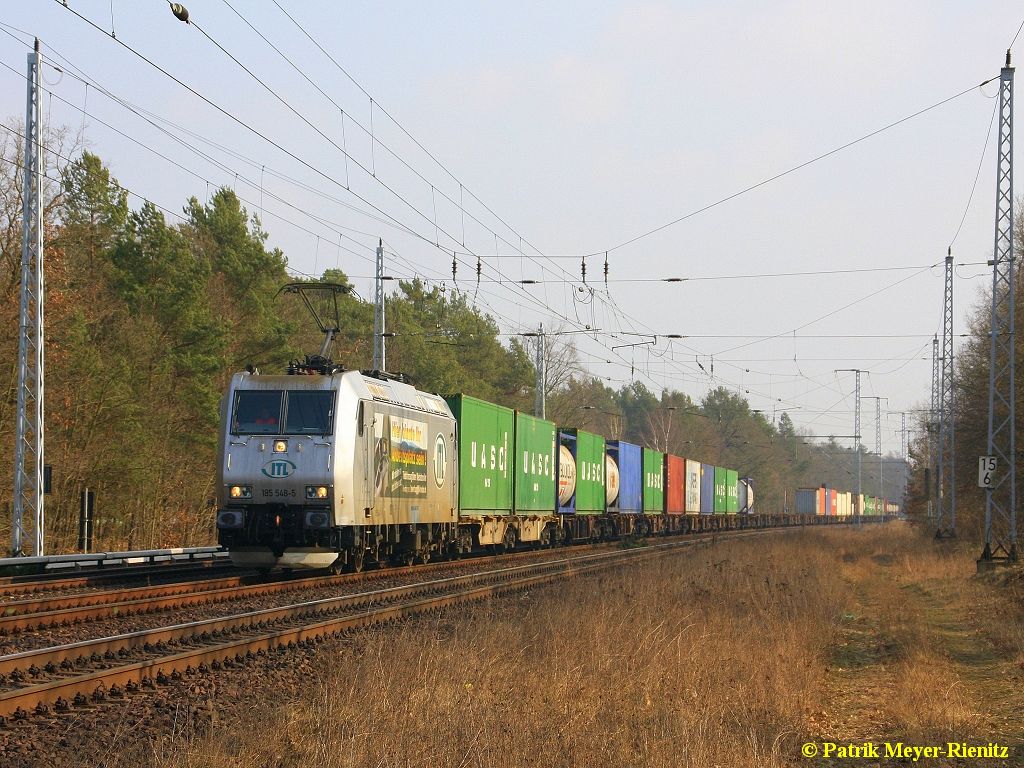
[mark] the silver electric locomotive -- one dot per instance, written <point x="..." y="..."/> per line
<point x="329" y="468"/>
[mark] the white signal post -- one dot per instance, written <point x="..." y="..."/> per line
<point x="987" y="471"/>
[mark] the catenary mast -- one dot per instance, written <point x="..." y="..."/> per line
<point x="1001" y="497"/>
<point x="28" y="452"/>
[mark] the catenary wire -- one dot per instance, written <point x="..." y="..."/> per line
<point x="427" y="240"/>
<point x="789" y="171"/>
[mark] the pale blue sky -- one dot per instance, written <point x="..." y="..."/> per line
<point x="582" y="125"/>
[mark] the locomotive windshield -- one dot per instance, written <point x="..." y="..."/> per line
<point x="269" y="412"/>
<point x="257" y="412"/>
<point x="309" y="413"/>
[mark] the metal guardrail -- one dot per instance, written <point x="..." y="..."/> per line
<point x="102" y="559"/>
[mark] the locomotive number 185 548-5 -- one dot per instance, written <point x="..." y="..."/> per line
<point x="278" y="493"/>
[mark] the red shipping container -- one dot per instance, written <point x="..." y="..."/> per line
<point x="832" y="502"/>
<point x="821" y="502"/>
<point x="675" y="485"/>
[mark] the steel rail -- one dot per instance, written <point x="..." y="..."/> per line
<point x="39" y="613"/>
<point x="26" y="585"/>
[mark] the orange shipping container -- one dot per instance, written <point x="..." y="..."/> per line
<point x="675" y="485"/>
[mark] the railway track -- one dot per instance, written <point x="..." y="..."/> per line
<point x="40" y="613"/>
<point x="53" y="591"/>
<point x="60" y="678"/>
<point x="55" y="583"/>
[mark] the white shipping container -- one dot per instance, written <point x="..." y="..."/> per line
<point x="845" y="503"/>
<point x="692" y="487"/>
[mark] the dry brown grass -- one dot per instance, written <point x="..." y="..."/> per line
<point x="730" y="655"/>
<point x="943" y="644"/>
<point x="711" y="657"/>
<point x="929" y="702"/>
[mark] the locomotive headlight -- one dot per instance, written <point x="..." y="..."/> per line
<point x="317" y="520"/>
<point x="316" y="491"/>
<point x="280" y="446"/>
<point x="241" y="491"/>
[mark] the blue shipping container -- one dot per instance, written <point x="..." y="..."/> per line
<point x="807" y="501"/>
<point x="566" y="472"/>
<point x="707" y="489"/>
<point x="631" y="477"/>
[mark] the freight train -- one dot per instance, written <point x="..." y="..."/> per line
<point x="341" y="468"/>
<point x="825" y="501"/>
<point x="323" y="467"/>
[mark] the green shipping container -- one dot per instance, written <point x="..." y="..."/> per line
<point x="721" y="498"/>
<point x="732" y="492"/>
<point x="485" y="436"/>
<point x="654" y="481"/>
<point x="535" y="472"/>
<point x="590" y="467"/>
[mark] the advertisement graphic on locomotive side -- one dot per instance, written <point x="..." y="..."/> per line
<point x="400" y="458"/>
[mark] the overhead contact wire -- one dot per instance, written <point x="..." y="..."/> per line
<point x="794" y="169"/>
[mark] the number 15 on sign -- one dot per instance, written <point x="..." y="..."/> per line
<point x="986" y="471"/>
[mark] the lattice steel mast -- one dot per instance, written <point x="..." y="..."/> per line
<point x="878" y="437"/>
<point x="946" y="522"/>
<point x="541" y="385"/>
<point x="933" y="432"/>
<point x="856" y="429"/>
<point x="379" y="353"/>
<point x="28" y="452"/>
<point x="1001" y="498"/>
<point x="905" y="455"/>
<point x="904" y="439"/>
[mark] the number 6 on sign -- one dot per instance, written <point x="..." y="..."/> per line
<point x="986" y="471"/>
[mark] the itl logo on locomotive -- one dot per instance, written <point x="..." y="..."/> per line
<point x="440" y="460"/>
<point x="277" y="469"/>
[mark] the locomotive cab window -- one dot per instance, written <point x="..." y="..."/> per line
<point x="296" y="412"/>
<point x="257" y="412"/>
<point x="309" y="412"/>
